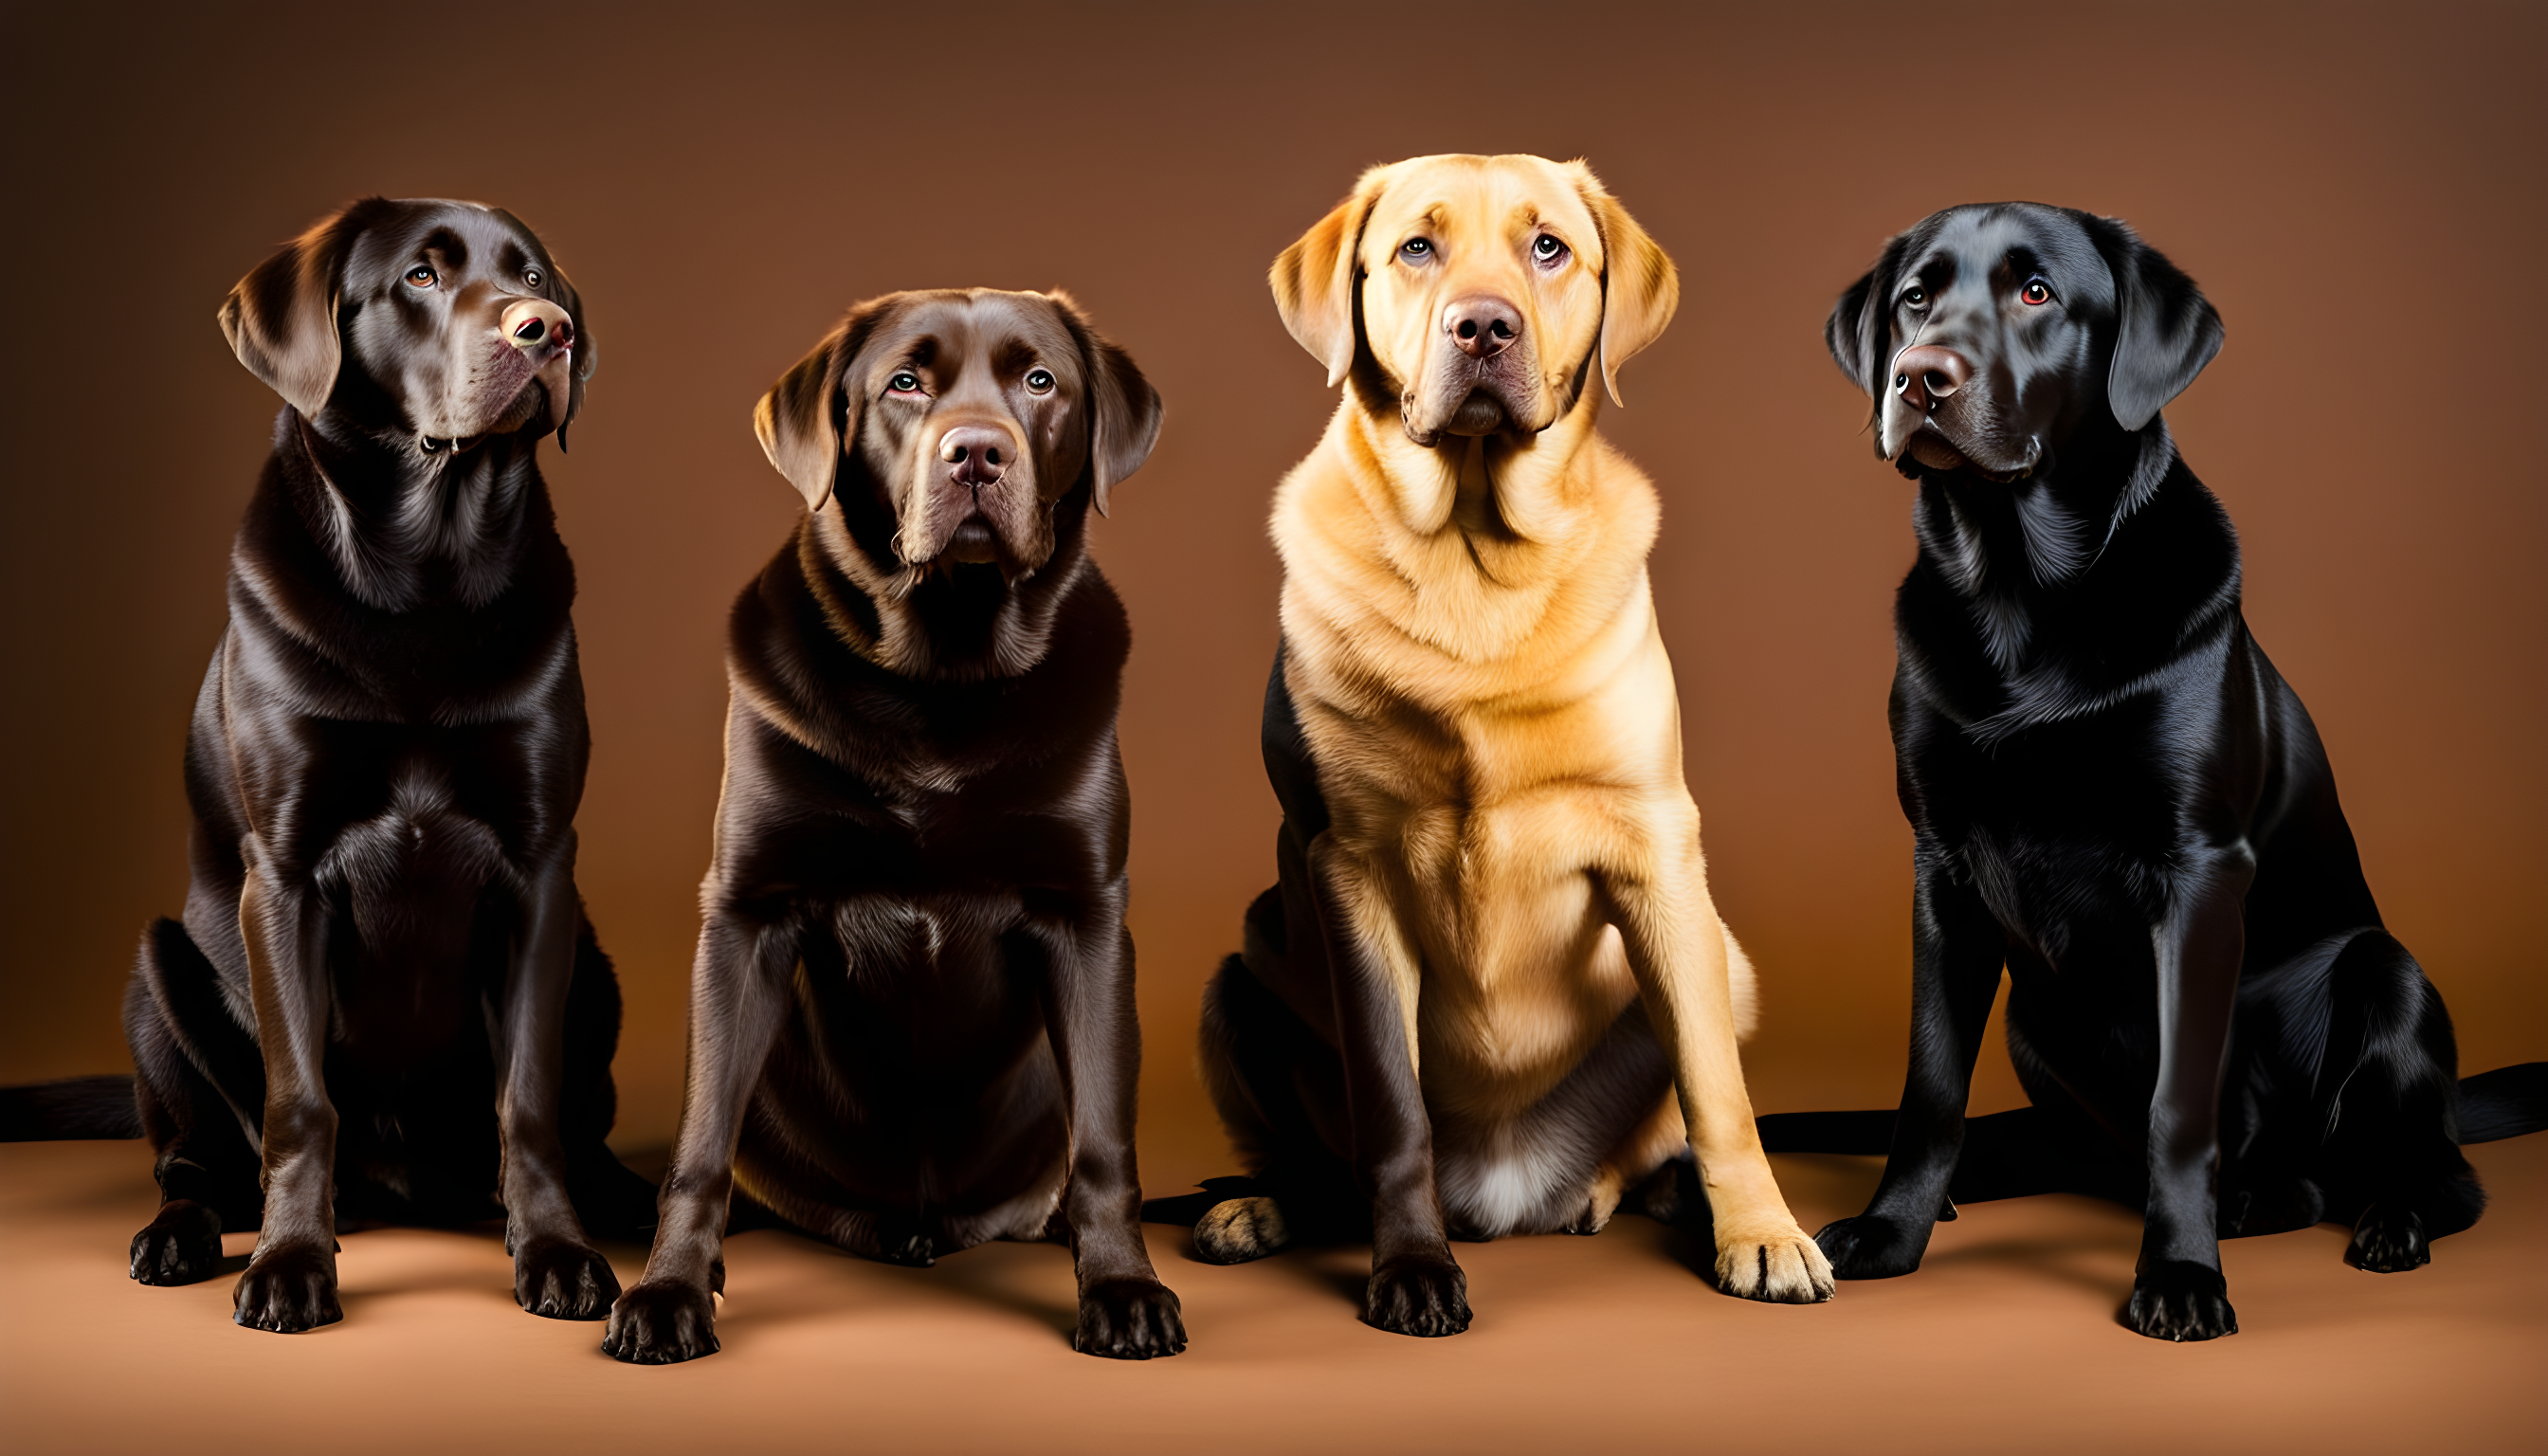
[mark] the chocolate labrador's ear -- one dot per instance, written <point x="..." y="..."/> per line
<point x="806" y="416"/>
<point x="2165" y="331"/>
<point x="587" y="356"/>
<point x="281" y="319"/>
<point x="1640" y="287"/>
<point x="1123" y="411"/>
<point x="1314" y="279"/>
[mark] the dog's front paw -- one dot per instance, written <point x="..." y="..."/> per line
<point x="1238" y="1230"/>
<point x="1129" y="1320"/>
<point x="2389" y="1241"/>
<point x="2181" y="1301"/>
<point x="1780" y="1266"/>
<point x="288" y="1290"/>
<point x="1870" y="1247"/>
<point x="561" y="1280"/>
<point x="662" y="1325"/>
<point x="1424" y="1295"/>
<point x="183" y="1245"/>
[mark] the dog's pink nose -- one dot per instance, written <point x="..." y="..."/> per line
<point x="1925" y="374"/>
<point x="979" y="453"/>
<point x="1482" y="324"/>
<point x="530" y="323"/>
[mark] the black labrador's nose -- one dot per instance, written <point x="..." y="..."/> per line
<point x="528" y="324"/>
<point x="979" y="453"/>
<point x="1483" y="325"/>
<point x="1925" y="374"/>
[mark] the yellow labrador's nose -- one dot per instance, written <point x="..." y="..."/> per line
<point x="530" y="323"/>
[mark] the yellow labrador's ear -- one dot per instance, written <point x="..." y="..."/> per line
<point x="281" y="319"/>
<point x="1313" y="280"/>
<point x="1123" y="411"/>
<point x="1640" y="287"/>
<point x="805" y="418"/>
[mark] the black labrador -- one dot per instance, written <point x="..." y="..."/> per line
<point x="384" y="1000"/>
<point x="2114" y="794"/>
<point x="911" y="1017"/>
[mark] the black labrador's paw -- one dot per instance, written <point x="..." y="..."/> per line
<point x="1426" y="1296"/>
<point x="556" y="1279"/>
<point x="1129" y="1320"/>
<point x="1870" y="1246"/>
<point x="288" y="1290"/>
<point x="2181" y="1301"/>
<point x="662" y="1325"/>
<point x="2389" y="1241"/>
<point x="183" y="1245"/>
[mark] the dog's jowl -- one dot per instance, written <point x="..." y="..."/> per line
<point x="911" y="1017"/>
<point x="1489" y="993"/>
<point x="384" y="1000"/>
<point x="2114" y="794"/>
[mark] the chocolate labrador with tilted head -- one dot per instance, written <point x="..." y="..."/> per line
<point x="911" y="1019"/>
<point x="1490" y="992"/>
<point x="2114" y="794"/>
<point x="384" y="1000"/>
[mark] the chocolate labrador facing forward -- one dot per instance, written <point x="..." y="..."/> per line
<point x="2112" y="792"/>
<point x="384" y="1000"/>
<point x="911" y="1017"/>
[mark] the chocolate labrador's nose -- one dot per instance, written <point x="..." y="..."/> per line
<point x="1925" y="374"/>
<point x="530" y="323"/>
<point x="1483" y="325"/>
<point x="979" y="453"/>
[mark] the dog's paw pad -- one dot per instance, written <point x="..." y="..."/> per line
<point x="661" y="1325"/>
<point x="558" y="1280"/>
<point x="287" y="1291"/>
<point x="1780" y="1268"/>
<point x="2389" y="1241"/>
<point x="1425" y="1296"/>
<point x="2178" y="1301"/>
<point x="183" y="1245"/>
<point x="1239" y="1229"/>
<point x="1130" y="1319"/>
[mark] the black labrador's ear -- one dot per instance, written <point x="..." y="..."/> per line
<point x="805" y="418"/>
<point x="281" y="319"/>
<point x="1314" y="279"/>
<point x="1123" y="411"/>
<point x="1861" y="322"/>
<point x="2165" y="331"/>
<point x="1640" y="287"/>
<point x="587" y="356"/>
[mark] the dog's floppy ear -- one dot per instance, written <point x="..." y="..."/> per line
<point x="2165" y="331"/>
<point x="281" y="319"/>
<point x="1123" y="409"/>
<point x="1640" y="287"/>
<point x="1860" y="321"/>
<point x="805" y="418"/>
<point x="1313" y="280"/>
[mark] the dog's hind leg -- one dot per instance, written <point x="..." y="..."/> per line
<point x="1262" y="1065"/>
<point x="2389" y="1093"/>
<point x="206" y="1164"/>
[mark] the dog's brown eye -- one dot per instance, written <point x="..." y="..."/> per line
<point x="1416" y="250"/>
<point x="2035" y="292"/>
<point x="905" y="383"/>
<point x="534" y="277"/>
<point x="1546" y="249"/>
<point x="421" y="276"/>
<point x="1040" y="381"/>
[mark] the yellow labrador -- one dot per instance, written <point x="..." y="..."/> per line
<point x="1490" y="962"/>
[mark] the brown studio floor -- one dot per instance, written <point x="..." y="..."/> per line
<point x="2004" y="1341"/>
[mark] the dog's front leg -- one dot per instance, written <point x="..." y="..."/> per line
<point x="1957" y="950"/>
<point x="556" y="1271"/>
<point x="291" y="1280"/>
<point x="1675" y="946"/>
<point x="1416" y="1287"/>
<point x="1125" y="1312"/>
<point x="738" y="998"/>
<point x="2178" y="1292"/>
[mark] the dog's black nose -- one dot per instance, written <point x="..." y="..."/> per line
<point x="1483" y="325"/>
<point x="979" y="454"/>
<point x="1925" y="374"/>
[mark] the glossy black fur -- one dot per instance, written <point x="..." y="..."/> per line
<point x="913" y="1025"/>
<point x="383" y="960"/>
<point x="2114" y="794"/>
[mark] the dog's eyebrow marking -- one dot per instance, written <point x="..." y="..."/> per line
<point x="514" y="259"/>
<point x="454" y="251"/>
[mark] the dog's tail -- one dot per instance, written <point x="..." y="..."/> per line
<point x="2507" y="1102"/>
<point x="74" y="1107"/>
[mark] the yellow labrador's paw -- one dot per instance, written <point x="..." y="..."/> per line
<point x="1782" y="1267"/>
<point x="1239" y="1229"/>
<point x="1598" y="1205"/>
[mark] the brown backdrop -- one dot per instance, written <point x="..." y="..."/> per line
<point x="2358" y="188"/>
